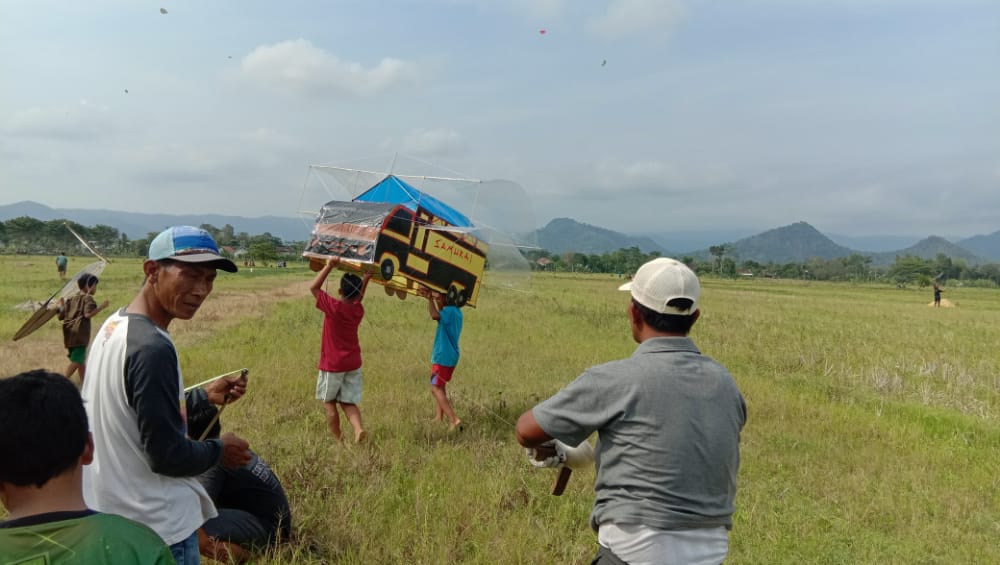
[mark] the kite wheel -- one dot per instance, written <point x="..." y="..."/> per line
<point x="456" y="297"/>
<point x="387" y="269"/>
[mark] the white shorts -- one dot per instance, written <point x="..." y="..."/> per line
<point x="641" y="545"/>
<point x="343" y="387"/>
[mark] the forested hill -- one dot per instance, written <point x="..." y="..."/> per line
<point x="793" y="243"/>
<point x="563" y="234"/>
<point x="987" y="246"/>
<point x="929" y="248"/>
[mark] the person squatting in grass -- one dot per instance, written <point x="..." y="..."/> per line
<point x="254" y="514"/>
<point x="339" y="380"/>
<point x="45" y="443"/>
<point x="145" y="466"/>
<point x="75" y="315"/>
<point x="445" y="309"/>
<point x="668" y="422"/>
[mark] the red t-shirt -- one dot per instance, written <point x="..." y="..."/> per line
<point x="341" y="350"/>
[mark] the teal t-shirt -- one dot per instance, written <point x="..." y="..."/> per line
<point x="80" y="537"/>
<point x="449" y="329"/>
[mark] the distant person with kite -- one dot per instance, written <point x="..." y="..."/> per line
<point x="75" y="314"/>
<point x="668" y="422"/>
<point x="46" y="444"/>
<point x="61" y="263"/>
<point x="339" y="381"/>
<point x="445" y="310"/>
<point x="937" y="295"/>
<point x="145" y="465"/>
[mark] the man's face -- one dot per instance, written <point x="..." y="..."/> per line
<point x="180" y="288"/>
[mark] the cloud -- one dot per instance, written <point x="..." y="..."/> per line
<point x="74" y="122"/>
<point x="537" y="8"/>
<point x="628" y="17"/>
<point x="440" y="142"/>
<point x="300" y="67"/>
<point x="612" y="179"/>
<point x="269" y="137"/>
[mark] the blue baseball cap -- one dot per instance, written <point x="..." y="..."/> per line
<point x="189" y="244"/>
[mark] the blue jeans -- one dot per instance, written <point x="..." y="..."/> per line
<point x="186" y="552"/>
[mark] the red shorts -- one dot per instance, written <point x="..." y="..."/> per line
<point x="441" y="375"/>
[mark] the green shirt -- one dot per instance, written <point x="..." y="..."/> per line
<point x="80" y="537"/>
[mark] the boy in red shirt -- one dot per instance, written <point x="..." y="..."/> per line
<point x="339" y="380"/>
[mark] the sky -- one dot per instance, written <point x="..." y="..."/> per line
<point x="861" y="117"/>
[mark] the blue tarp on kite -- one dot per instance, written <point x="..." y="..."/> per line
<point x="394" y="190"/>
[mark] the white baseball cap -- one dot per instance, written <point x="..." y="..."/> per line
<point x="661" y="280"/>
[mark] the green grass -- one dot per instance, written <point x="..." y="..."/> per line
<point x="873" y="432"/>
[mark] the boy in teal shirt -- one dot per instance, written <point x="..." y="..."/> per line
<point x="444" y="308"/>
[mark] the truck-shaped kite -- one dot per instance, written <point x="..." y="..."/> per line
<point x="409" y="239"/>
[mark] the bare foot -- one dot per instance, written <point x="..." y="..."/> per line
<point x="361" y="436"/>
<point x="456" y="425"/>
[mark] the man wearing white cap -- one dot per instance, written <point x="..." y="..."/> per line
<point x="145" y="466"/>
<point x="668" y="422"/>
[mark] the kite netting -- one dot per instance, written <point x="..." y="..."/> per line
<point x="71" y="287"/>
<point x="500" y="210"/>
<point x="45" y="311"/>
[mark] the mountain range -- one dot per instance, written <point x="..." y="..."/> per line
<point x="137" y="225"/>
<point x="792" y="243"/>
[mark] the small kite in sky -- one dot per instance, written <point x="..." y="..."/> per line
<point x="126" y="91"/>
<point x="542" y="32"/>
<point x="604" y="63"/>
<point x="163" y="10"/>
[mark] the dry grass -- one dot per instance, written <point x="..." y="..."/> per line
<point x="873" y="432"/>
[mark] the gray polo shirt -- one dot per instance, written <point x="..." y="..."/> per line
<point x="668" y="423"/>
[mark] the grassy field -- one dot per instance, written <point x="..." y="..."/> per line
<point x="873" y="432"/>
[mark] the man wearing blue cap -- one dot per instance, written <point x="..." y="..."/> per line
<point x="145" y="466"/>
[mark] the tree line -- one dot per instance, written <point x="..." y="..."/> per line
<point x="32" y="236"/>
<point x="723" y="262"/>
<point x="27" y="235"/>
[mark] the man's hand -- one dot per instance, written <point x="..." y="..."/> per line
<point x="550" y="454"/>
<point x="316" y="265"/>
<point x="234" y="387"/>
<point x="235" y="451"/>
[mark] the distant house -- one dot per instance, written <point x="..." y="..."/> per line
<point x="543" y="263"/>
<point x="746" y="273"/>
<point x="229" y="249"/>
